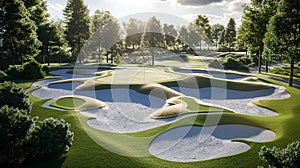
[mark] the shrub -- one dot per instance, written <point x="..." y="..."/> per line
<point x="215" y="63"/>
<point x="3" y="76"/>
<point x="33" y="70"/>
<point x="230" y="63"/>
<point x="288" y="157"/>
<point x="15" y="71"/>
<point x="5" y="60"/>
<point x="14" y="96"/>
<point x="14" y="130"/>
<point x="52" y="137"/>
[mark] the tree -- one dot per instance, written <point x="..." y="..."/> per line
<point x="133" y="29"/>
<point x="230" y="34"/>
<point x="106" y="31"/>
<point x="77" y="26"/>
<point x="169" y="34"/>
<point x="52" y="39"/>
<point x="38" y="10"/>
<point x="14" y="96"/>
<point x="153" y="35"/>
<point x="202" y="23"/>
<point x="216" y="32"/>
<point x="18" y="32"/>
<point x="254" y="26"/>
<point x="283" y="36"/>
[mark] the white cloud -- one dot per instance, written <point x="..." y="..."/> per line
<point x="55" y="10"/>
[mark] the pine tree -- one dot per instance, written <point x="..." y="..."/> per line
<point x="20" y="41"/>
<point x="38" y="10"/>
<point x="77" y="26"/>
<point x="230" y="34"/>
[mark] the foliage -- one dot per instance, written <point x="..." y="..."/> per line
<point x="231" y="63"/>
<point x="288" y="157"/>
<point x="254" y="26"/>
<point x="14" y="132"/>
<point x="285" y="71"/>
<point x="52" y="37"/>
<point x="216" y="32"/>
<point x="14" y="96"/>
<point x="77" y="26"/>
<point x="38" y="10"/>
<point x="51" y="137"/>
<point x="33" y="70"/>
<point x="230" y="34"/>
<point x="15" y="71"/>
<point x="282" y="39"/>
<point x="215" y="63"/>
<point x="203" y="24"/>
<point x="18" y="32"/>
<point x="3" y="76"/>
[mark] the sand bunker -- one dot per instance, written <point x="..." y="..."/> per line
<point x="191" y="143"/>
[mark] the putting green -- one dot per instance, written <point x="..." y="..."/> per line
<point x="140" y="76"/>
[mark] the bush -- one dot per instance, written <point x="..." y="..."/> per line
<point x="15" y="71"/>
<point x="230" y="63"/>
<point x="14" y="96"/>
<point x="215" y="64"/>
<point x="33" y="70"/>
<point x="14" y="130"/>
<point x="3" y="76"/>
<point x="52" y="137"/>
<point x="288" y="157"/>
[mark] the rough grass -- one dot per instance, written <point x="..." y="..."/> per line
<point x="87" y="153"/>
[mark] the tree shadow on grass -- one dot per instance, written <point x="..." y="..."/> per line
<point x="50" y="162"/>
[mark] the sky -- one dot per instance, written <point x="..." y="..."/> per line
<point x="218" y="11"/>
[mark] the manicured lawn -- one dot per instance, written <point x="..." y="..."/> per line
<point x="87" y="153"/>
<point x="68" y="103"/>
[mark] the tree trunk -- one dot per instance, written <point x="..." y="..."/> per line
<point x="152" y="54"/>
<point x="267" y="66"/>
<point x="291" y="72"/>
<point x="259" y="61"/>
<point x="12" y="50"/>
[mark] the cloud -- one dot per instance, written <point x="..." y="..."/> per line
<point x="237" y="5"/>
<point x="55" y="10"/>
<point x="197" y="2"/>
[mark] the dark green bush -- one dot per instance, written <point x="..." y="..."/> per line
<point x="230" y="63"/>
<point x="3" y="76"/>
<point x="45" y="69"/>
<point x="14" y="96"/>
<point x="52" y="137"/>
<point x="33" y="70"/>
<point x="14" y="131"/>
<point x="15" y="71"/>
<point x="288" y="157"/>
<point x="5" y="60"/>
<point x="215" y="63"/>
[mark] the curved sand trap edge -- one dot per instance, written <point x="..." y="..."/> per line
<point x="89" y="103"/>
<point x="191" y="144"/>
<point x="183" y="105"/>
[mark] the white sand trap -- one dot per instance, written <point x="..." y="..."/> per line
<point x="237" y="101"/>
<point x="191" y="143"/>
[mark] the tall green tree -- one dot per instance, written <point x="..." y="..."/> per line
<point x="77" y="26"/>
<point x="133" y="30"/>
<point x="152" y="36"/>
<point x="18" y="32"/>
<point x="105" y="32"/>
<point x="283" y="36"/>
<point x="216" y="31"/>
<point x="254" y="26"/>
<point x="204" y="28"/>
<point x="230" y="34"/>
<point x="37" y="10"/>
<point x="54" y="43"/>
<point x="170" y="34"/>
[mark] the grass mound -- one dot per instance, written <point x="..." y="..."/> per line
<point x="77" y="103"/>
<point x="182" y="105"/>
